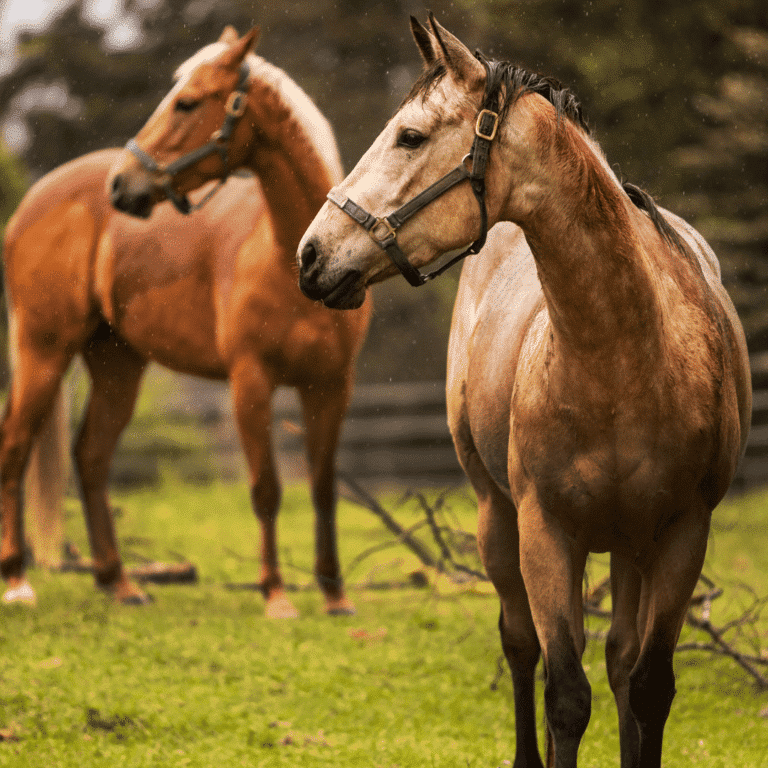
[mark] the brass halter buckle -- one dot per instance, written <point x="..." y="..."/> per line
<point x="489" y="134"/>
<point x="382" y="231"/>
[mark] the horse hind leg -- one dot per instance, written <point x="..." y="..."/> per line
<point x="324" y="410"/>
<point x="621" y="651"/>
<point x="35" y="383"/>
<point x="115" y="370"/>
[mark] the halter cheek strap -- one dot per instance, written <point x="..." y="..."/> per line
<point x="218" y="144"/>
<point x="383" y="230"/>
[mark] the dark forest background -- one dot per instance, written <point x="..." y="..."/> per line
<point x="676" y="93"/>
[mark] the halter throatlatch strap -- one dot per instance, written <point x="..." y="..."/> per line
<point x="383" y="230"/>
<point x="218" y="144"/>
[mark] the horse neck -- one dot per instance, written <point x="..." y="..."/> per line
<point x="294" y="154"/>
<point x="592" y="257"/>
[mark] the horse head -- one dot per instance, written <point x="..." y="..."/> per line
<point x="440" y="137"/>
<point x="195" y="135"/>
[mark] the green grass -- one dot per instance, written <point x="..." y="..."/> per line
<point x="200" y="678"/>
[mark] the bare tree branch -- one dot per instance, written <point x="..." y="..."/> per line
<point x="593" y="598"/>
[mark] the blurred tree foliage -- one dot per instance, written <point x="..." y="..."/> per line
<point x="676" y="94"/>
<point x="13" y="183"/>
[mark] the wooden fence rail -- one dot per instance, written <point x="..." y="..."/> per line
<point x="398" y="432"/>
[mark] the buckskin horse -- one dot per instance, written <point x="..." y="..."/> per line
<point x="213" y="294"/>
<point x="598" y="383"/>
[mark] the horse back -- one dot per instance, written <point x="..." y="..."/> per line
<point x="736" y="354"/>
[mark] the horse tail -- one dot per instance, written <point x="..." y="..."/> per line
<point x="47" y="470"/>
<point x="46" y="483"/>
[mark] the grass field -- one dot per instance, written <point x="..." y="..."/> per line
<point x="200" y="678"/>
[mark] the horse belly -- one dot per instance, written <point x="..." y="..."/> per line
<point x="174" y="325"/>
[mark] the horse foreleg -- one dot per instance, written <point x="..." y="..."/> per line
<point x="115" y="370"/>
<point x="621" y="650"/>
<point x="252" y="392"/>
<point x="499" y="546"/>
<point x="553" y="568"/>
<point x="324" y="410"/>
<point x="668" y="583"/>
<point x="36" y="380"/>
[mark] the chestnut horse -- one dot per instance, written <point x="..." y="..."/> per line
<point x="598" y="382"/>
<point x="214" y="294"/>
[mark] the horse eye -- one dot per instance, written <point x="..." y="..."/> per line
<point x="410" y="139"/>
<point x="186" y="105"/>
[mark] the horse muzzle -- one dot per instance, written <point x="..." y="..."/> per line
<point x="337" y="292"/>
<point x="131" y="198"/>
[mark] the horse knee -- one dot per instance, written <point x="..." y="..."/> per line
<point x="15" y="454"/>
<point x="567" y="697"/>
<point x="265" y="499"/>
<point x="519" y="642"/>
<point x="568" y="701"/>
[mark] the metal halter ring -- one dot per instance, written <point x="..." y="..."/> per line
<point x="236" y="104"/>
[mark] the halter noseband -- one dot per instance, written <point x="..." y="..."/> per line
<point x="383" y="230"/>
<point x="218" y="143"/>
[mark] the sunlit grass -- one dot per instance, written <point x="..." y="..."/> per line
<point x="200" y="678"/>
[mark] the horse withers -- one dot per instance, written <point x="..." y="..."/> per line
<point x="598" y="382"/>
<point x="213" y="294"/>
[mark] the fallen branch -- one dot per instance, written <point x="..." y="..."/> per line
<point x="364" y="499"/>
<point x="727" y="650"/>
<point x="447" y="563"/>
<point x="149" y="571"/>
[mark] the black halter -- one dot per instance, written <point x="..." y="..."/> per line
<point x="383" y="230"/>
<point x="218" y="143"/>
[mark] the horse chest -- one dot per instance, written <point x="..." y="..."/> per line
<point x="608" y="479"/>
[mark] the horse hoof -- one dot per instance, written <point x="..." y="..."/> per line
<point x="280" y="607"/>
<point x="137" y="599"/>
<point x="22" y="593"/>
<point x="126" y="592"/>
<point x="340" y="608"/>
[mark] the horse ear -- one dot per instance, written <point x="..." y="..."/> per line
<point x="458" y="58"/>
<point x="424" y="41"/>
<point x="240" y="48"/>
<point x="229" y="35"/>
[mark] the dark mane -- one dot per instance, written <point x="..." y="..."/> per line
<point x="645" y="202"/>
<point x="516" y="82"/>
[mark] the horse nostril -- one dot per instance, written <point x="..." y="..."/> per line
<point x="308" y="256"/>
